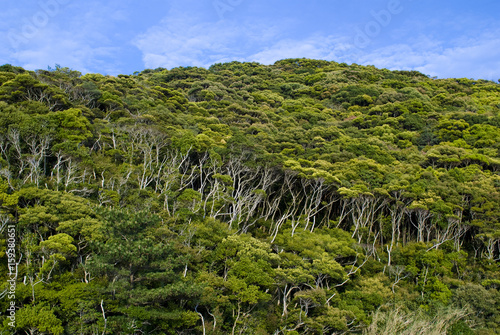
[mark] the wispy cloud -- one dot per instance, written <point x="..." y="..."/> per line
<point x="188" y="39"/>
<point x="477" y="58"/>
<point x="75" y="35"/>
<point x="315" y="47"/>
<point x="93" y="36"/>
<point x="64" y="48"/>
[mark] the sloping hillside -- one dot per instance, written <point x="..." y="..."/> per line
<point x="305" y="197"/>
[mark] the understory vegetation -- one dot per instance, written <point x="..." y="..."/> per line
<point x="303" y="197"/>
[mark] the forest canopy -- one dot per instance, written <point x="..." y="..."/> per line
<point x="303" y="197"/>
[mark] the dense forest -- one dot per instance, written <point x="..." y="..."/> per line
<point x="303" y="197"/>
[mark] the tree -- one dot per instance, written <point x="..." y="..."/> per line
<point x="144" y="281"/>
<point x="244" y="271"/>
<point x="38" y="319"/>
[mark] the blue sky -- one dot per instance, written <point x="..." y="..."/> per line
<point x="439" y="38"/>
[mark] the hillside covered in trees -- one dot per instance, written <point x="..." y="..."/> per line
<point x="304" y="197"/>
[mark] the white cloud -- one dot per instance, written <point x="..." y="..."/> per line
<point x="184" y="39"/>
<point x="74" y="35"/>
<point x="199" y="37"/>
<point x="66" y="49"/>
<point x="477" y="58"/>
<point x="88" y="37"/>
<point x="315" y="47"/>
<point x="187" y="39"/>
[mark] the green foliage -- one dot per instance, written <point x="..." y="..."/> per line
<point x="295" y="198"/>
<point x="40" y="319"/>
<point x="482" y="302"/>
